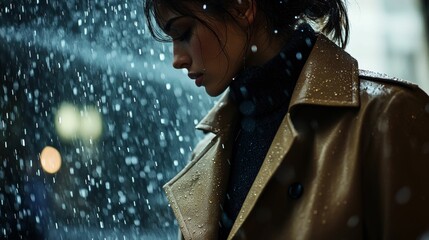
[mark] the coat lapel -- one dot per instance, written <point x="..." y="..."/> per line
<point x="283" y="141"/>
<point x="324" y="81"/>
<point x="329" y="78"/>
<point x="197" y="192"/>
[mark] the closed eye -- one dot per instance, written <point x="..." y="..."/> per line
<point x="180" y="28"/>
<point x="185" y="37"/>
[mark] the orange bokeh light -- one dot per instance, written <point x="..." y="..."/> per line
<point x="50" y="159"/>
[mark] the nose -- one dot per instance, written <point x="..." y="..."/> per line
<point x="181" y="58"/>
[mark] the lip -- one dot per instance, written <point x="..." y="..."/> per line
<point x="198" y="77"/>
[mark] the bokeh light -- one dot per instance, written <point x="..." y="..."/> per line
<point x="90" y="124"/>
<point x="67" y="121"/>
<point x="72" y="122"/>
<point x="50" y="159"/>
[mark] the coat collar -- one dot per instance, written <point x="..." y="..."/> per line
<point x="329" y="78"/>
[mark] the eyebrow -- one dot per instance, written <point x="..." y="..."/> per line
<point x="167" y="26"/>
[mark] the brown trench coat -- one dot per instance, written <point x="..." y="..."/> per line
<point x="355" y="144"/>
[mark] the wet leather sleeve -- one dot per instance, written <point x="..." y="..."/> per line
<point x="396" y="167"/>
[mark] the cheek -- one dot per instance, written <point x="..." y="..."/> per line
<point x="208" y="48"/>
<point x="196" y="49"/>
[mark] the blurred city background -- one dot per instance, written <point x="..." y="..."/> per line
<point x="94" y="120"/>
<point x="391" y="36"/>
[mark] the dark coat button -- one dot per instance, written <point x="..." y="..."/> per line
<point x="295" y="190"/>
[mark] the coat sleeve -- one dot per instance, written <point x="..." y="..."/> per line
<point x="396" y="167"/>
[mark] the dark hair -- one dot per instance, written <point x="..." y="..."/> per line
<point x="328" y="16"/>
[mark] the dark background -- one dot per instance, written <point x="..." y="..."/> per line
<point x="90" y="54"/>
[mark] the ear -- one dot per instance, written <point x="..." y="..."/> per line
<point x="246" y="11"/>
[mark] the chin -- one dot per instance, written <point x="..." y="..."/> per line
<point x="214" y="92"/>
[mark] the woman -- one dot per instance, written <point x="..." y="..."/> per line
<point x="302" y="145"/>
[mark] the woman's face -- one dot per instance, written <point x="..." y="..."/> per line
<point x="212" y="60"/>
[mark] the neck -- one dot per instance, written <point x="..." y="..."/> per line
<point x="263" y="88"/>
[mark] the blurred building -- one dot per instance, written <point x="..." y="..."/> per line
<point x="388" y="36"/>
<point x="425" y="11"/>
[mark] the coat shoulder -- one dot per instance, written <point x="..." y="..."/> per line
<point x="385" y="79"/>
<point x="378" y="84"/>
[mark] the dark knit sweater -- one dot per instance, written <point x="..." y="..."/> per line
<point x="263" y="95"/>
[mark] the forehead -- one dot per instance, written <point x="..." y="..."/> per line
<point x="168" y="21"/>
<point x="167" y="12"/>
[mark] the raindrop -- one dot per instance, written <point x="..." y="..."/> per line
<point x="247" y="108"/>
<point x="117" y="107"/>
<point x="308" y="42"/>
<point x="83" y="192"/>
<point x="161" y="56"/>
<point x="254" y="48"/>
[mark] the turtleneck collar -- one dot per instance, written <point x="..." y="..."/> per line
<point x="260" y="90"/>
